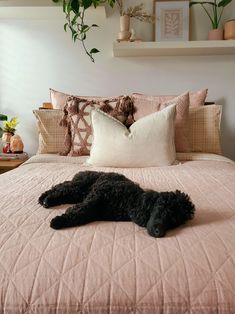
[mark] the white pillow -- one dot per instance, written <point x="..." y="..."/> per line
<point x="149" y="142"/>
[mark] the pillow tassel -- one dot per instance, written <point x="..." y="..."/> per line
<point x="64" y="120"/>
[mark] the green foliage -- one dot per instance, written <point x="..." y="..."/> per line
<point x="10" y="126"/>
<point x="3" y="117"/>
<point x="75" y="19"/>
<point x="215" y="12"/>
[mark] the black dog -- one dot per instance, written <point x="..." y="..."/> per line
<point x="113" y="197"/>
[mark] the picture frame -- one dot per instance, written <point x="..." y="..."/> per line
<point x="172" y="20"/>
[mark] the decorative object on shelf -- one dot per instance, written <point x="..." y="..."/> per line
<point x="229" y="29"/>
<point x="8" y="131"/>
<point x="16" y="144"/>
<point x="125" y="16"/>
<point x="75" y="11"/>
<point x="216" y="34"/>
<point x="124" y="33"/>
<point x="215" y="14"/>
<point x="172" y="20"/>
<point x="46" y="105"/>
<point x="133" y="37"/>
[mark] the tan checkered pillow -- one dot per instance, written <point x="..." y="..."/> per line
<point x="204" y="129"/>
<point x="51" y="134"/>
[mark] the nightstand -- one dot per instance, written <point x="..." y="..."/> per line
<point x="6" y="165"/>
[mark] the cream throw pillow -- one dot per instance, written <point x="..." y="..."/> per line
<point x="149" y="142"/>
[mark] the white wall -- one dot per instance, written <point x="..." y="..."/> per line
<point x="36" y="54"/>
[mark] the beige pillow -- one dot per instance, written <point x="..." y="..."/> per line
<point x="51" y="135"/>
<point x="149" y="142"/>
<point x="204" y="129"/>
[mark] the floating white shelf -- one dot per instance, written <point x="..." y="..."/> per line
<point x="179" y="48"/>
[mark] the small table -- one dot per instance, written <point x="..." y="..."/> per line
<point x="6" y="165"/>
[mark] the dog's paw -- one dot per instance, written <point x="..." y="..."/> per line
<point x="42" y="198"/>
<point x="59" y="222"/>
<point x="49" y="201"/>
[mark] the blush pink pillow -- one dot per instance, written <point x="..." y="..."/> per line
<point x="59" y="99"/>
<point x="145" y="105"/>
<point x="196" y="99"/>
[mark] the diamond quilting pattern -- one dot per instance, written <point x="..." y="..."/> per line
<point x="108" y="267"/>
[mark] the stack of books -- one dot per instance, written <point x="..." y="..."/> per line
<point x="12" y="156"/>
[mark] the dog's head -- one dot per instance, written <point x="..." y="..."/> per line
<point x="170" y="210"/>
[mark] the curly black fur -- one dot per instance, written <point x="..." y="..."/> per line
<point x="113" y="197"/>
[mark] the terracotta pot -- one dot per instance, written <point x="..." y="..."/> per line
<point x="216" y="34"/>
<point x="229" y="29"/>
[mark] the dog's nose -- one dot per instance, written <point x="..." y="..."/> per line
<point x="157" y="231"/>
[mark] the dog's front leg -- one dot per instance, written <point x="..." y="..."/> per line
<point x="77" y="215"/>
<point x="63" y="193"/>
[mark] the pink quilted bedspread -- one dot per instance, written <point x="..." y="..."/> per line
<point x="108" y="267"/>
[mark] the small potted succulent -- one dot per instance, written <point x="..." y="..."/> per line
<point x="214" y="11"/>
<point x="8" y="131"/>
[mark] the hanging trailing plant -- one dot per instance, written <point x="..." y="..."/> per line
<point x="75" y="20"/>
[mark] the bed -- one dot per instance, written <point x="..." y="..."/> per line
<point x="116" y="267"/>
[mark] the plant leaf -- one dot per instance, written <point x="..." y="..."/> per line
<point x="94" y="50"/>
<point x="84" y="28"/>
<point x="75" y="6"/>
<point x="86" y="3"/>
<point x="224" y="3"/>
<point x="65" y="27"/>
<point x="3" y="117"/>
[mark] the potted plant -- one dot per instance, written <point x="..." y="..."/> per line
<point x="8" y="131"/>
<point x="214" y="11"/>
<point x="75" y="11"/>
<point x="132" y="12"/>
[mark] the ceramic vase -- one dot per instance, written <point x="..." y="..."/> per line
<point x="6" y="139"/>
<point x="216" y="34"/>
<point x="124" y="33"/>
<point x="229" y="29"/>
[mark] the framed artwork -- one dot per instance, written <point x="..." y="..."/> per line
<point x="172" y="20"/>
